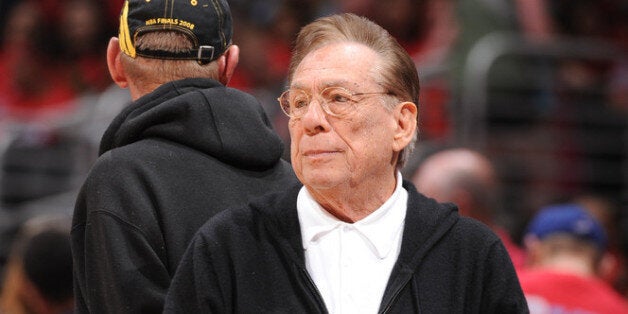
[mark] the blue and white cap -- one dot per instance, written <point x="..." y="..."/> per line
<point x="570" y="219"/>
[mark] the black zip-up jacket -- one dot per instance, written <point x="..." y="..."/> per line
<point x="251" y="260"/>
<point x="168" y="162"/>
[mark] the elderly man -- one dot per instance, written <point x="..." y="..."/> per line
<point x="355" y="238"/>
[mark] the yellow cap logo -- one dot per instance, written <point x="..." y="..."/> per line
<point x="126" y="45"/>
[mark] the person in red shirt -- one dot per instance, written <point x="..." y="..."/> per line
<point x="565" y="245"/>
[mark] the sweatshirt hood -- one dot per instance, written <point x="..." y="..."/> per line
<point x="204" y="115"/>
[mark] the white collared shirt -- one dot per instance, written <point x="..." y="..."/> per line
<point x="350" y="262"/>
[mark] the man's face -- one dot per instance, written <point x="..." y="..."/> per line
<point x="350" y="150"/>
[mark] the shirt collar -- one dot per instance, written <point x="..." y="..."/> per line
<point x="380" y="227"/>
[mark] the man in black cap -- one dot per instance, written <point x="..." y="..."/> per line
<point x="186" y="148"/>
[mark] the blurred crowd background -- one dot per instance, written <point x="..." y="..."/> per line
<point x="540" y="87"/>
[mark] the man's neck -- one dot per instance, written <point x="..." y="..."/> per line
<point x="354" y="203"/>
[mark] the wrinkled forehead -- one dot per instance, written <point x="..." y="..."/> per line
<point x="344" y="64"/>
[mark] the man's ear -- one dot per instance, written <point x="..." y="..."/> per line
<point x="227" y="64"/>
<point x="114" y="64"/>
<point x="406" y="119"/>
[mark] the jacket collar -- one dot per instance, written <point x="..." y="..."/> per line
<point x="426" y="222"/>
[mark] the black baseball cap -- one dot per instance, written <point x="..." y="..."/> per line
<point x="207" y="23"/>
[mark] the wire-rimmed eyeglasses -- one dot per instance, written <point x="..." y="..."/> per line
<point x="335" y="101"/>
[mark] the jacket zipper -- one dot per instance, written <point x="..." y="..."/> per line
<point x="393" y="299"/>
<point x="313" y="289"/>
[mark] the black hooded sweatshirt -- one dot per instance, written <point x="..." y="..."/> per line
<point x="168" y="162"/>
<point x="251" y="260"/>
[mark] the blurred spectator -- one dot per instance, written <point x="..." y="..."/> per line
<point x="565" y="245"/>
<point x="614" y="267"/>
<point x="51" y="54"/>
<point x="83" y="32"/>
<point x="38" y="277"/>
<point x="29" y="85"/>
<point x="467" y="179"/>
